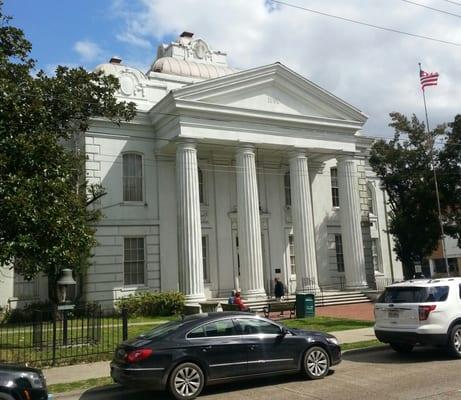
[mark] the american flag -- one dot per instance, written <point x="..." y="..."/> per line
<point x="428" y="78"/>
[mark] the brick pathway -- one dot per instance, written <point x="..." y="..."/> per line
<point x="362" y="311"/>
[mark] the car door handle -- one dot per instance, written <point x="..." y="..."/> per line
<point x="205" y="349"/>
<point x="251" y="347"/>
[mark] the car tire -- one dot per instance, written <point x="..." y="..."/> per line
<point x="316" y="363"/>
<point x="186" y="381"/>
<point x="403" y="348"/>
<point x="454" y="341"/>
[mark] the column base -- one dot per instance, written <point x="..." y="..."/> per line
<point x="309" y="289"/>
<point x="356" y="286"/>
<point x="254" y="294"/>
<point x="194" y="299"/>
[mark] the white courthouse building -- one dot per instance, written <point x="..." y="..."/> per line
<point x="227" y="179"/>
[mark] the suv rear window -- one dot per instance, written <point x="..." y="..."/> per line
<point x="414" y="294"/>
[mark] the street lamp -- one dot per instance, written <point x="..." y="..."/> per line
<point x="63" y="282"/>
<point x="65" y="305"/>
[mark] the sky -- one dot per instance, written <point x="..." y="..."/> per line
<point x="372" y="69"/>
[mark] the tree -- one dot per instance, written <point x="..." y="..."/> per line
<point x="45" y="222"/>
<point x="450" y="186"/>
<point x="404" y="165"/>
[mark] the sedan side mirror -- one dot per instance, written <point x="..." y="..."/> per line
<point x="284" y="331"/>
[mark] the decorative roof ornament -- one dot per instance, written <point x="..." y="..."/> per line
<point x="191" y="57"/>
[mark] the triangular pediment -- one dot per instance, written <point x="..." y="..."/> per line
<point x="272" y="89"/>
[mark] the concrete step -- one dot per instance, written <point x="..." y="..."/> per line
<point x="327" y="298"/>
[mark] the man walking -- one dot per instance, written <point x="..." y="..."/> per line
<point x="279" y="290"/>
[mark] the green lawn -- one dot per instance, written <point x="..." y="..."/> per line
<point x="326" y="324"/>
<point x="16" y="341"/>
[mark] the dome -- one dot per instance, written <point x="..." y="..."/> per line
<point x="176" y="66"/>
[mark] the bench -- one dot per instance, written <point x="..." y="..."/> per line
<point x="280" y="306"/>
<point x="234" y="307"/>
<point x="230" y="307"/>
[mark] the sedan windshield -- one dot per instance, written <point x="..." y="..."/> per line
<point x="161" y="330"/>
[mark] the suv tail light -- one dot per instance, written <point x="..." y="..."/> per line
<point x="137" y="355"/>
<point x="424" y="311"/>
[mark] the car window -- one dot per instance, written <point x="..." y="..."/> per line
<point x="224" y="327"/>
<point x="414" y="294"/>
<point x="161" y="330"/>
<point x="251" y="326"/>
<point x="460" y="291"/>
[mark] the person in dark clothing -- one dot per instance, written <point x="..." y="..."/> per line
<point x="279" y="290"/>
<point x="231" y="299"/>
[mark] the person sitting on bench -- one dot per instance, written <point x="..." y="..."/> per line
<point x="238" y="301"/>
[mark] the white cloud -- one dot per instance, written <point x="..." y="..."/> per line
<point x="374" y="70"/>
<point x="87" y="50"/>
<point x="130" y="38"/>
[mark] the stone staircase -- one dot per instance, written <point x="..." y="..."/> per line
<point x="325" y="298"/>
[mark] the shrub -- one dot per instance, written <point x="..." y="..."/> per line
<point x="30" y="313"/>
<point x="150" y="304"/>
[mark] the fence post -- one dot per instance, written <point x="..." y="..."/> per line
<point x="124" y="324"/>
<point x="53" y="353"/>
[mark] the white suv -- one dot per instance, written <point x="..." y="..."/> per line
<point x="420" y="311"/>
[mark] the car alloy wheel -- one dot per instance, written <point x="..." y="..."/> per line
<point x="316" y="363"/>
<point x="186" y="381"/>
<point x="455" y="341"/>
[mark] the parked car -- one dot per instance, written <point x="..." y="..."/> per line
<point x="203" y="349"/>
<point x="426" y="311"/>
<point x="22" y="383"/>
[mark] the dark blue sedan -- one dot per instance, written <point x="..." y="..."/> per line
<point x="202" y="349"/>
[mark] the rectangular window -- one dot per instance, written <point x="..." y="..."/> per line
<point x="134" y="261"/>
<point x="132" y="177"/>
<point x="205" y="258"/>
<point x="334" y="186"/>
<point x="287" y="185"/>
<point x="201" y="187"/>
<point x="339" y="253"/>
<point x="291" y="245"/>
<point x="376" y="259"/>
<point x="441" y="268"/>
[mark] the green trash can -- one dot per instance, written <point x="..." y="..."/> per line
<point x="305" y="305"/>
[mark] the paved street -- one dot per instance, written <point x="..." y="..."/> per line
<point x="379" y="374"/>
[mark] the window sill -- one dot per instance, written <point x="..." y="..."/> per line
<point x="133" y="204"/>
<point x="130" y="288"/>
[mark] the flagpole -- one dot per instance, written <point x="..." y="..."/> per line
<point x="435" y="181"/>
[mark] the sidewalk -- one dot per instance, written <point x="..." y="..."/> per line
<point x="80" y="372"/>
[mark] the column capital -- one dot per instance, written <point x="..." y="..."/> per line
<point x="348" y="157"/>
<point x="186" y="144"/>
<point x="297" y="154"/>
<point x="245" y="148"/>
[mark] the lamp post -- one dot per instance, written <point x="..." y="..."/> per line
<point x="65" y="304"/>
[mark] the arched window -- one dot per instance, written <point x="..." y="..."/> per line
<point x="132" y="177"/>
<point x="287" y="185"/>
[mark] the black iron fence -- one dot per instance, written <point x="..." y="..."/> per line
<point x="63" y="335"/>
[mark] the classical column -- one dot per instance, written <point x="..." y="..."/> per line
<point x="350" y="217"/>
<point x="249" y="226"/>
<point x="189" y="226"/>
<point x="303" y="224"/>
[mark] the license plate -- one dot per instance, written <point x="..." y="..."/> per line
<point x="393" y="313"/>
